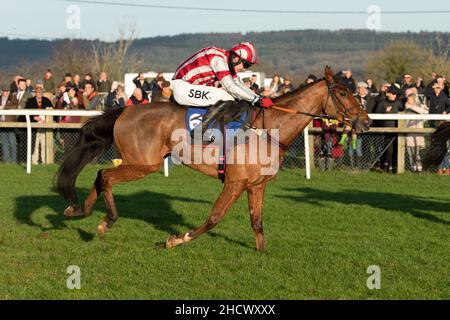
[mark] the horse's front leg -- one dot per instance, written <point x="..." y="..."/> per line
<point x="255" y="205"/>
<point x="230" y="193"/>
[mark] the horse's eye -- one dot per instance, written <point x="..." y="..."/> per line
<point x="343" y="93"/>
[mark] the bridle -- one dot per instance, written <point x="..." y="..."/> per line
<point x="331" y="86"/>
<point x="336" y="103"/>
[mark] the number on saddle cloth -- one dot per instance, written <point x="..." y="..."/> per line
<point x="234" y="116"/>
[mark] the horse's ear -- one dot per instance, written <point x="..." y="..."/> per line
<point x="329" y="74"/>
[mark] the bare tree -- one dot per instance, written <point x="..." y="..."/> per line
<point x="438" y="57"/>
<point x="71" y="56"/>
<point x="395" y="59"/>
<point x="114" y="57"/>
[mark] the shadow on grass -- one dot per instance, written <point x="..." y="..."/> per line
<point x="418" y="207"/>
<point x="151" y="207"/>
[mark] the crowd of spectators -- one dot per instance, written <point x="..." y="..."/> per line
<point x="403" y="95"/>
<point x="85" y="93"/>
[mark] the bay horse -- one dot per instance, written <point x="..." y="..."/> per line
<point x="142" y="135"/>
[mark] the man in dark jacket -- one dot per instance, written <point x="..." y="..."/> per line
<point x="286" y="87"/>
<point x="391" y="105"/>
<point x="38" y="102"/>
<point x="142" y="83"/>
<point x="346" y="78"/>
<point x="439" y="102"/>
<point x="38" y="135"/>
<point x="8" y="135"/>
<point x="364" y="98"/>
<point x="103" y="83"/>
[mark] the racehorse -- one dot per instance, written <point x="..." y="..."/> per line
<point x="438" y="147"/>
<point x="142" y="135"/>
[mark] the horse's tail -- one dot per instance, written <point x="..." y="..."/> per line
<point x="94" y="137"/>
<point x="438" y="147"/>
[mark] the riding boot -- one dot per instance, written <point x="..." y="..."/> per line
<point x="209" y="116"/>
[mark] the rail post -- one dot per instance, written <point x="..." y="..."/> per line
<point x="401" y="148"/>
<point x="49" y="145"/>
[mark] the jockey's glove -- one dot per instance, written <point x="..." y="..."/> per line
<point x="264" y="103"/>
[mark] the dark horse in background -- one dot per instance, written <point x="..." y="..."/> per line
<point x="142" y="134"/>
<point x="438" y="148"/>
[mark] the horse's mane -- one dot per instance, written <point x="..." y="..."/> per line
<point x="301" y="88"/>
<point x="295" y="91"/>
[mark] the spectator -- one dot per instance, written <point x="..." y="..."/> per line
<point x="444" y="85"/>
<point x="310" y="79"/>
<point x="29" y="85"/>
<point x="116" y="97"/>
<point x="60" y="102"/>
<point x="68" y="79"/>
<point x="359" y="142"/>
<point x="8" y="135"/>
<point x="328" y="139"/>
<point x="381" y="95"/>
<point x="166" y="93"/>
<point x="371" y="86"/>
<point x="265" y="92"/>
<point x="49" y="84"/>
<point x="286" y="87"/>
<point x="136" y="98"/>
<point x="254" y="86"/>
<point x="247" y="82"/>
<point x="89" y="79"/>
<point x="73" y="105"/>
<point x="407" y="83"/>
<point x="13" y="88"/>
<point x="103" y="84"/>
<point x="392" y="104"/>
<point x="38" y="102"/>
<point x="420" y="85"/>
<point x="415" y="142"/>
<point x="65" y="135"/>
<point x="274" y="84"/>
<point x="346" y="78"/>
<point x="142" y="83"/>
<point x="76" y="82"/>
<point x="22" y="95"/>
<point x="154" y="82"/>
<point x="91" y="101"/>
<point x="438" y="100"/>
<point x="157" y="87"/>
<point x="40" y="84"/>
<point x="364" y="98"/>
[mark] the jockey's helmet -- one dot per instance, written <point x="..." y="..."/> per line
<point x="246" y="51"/>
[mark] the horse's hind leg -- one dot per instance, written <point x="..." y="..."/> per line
<point x="255" y="204"/>
<point x="107" y="179"/>
<point x="230" y="193"/>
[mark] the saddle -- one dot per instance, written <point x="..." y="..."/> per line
<point x="227" y="117"/>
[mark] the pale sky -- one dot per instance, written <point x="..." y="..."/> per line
<point x="49" y="18"/>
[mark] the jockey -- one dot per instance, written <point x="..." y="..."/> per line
<point x="195" y="80"/>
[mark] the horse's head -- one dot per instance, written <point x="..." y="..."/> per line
<point x="341" y="104"/>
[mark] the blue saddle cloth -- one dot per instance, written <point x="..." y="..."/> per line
<point x="194" y="118"/>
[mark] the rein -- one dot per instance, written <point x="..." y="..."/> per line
<point x="336" y="101"/>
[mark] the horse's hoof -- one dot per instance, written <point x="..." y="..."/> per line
<point x="174" y="241"/>
<point x="170" y="242"/>
<point x="102" y="228"/>
<point x="73" y="211"/>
